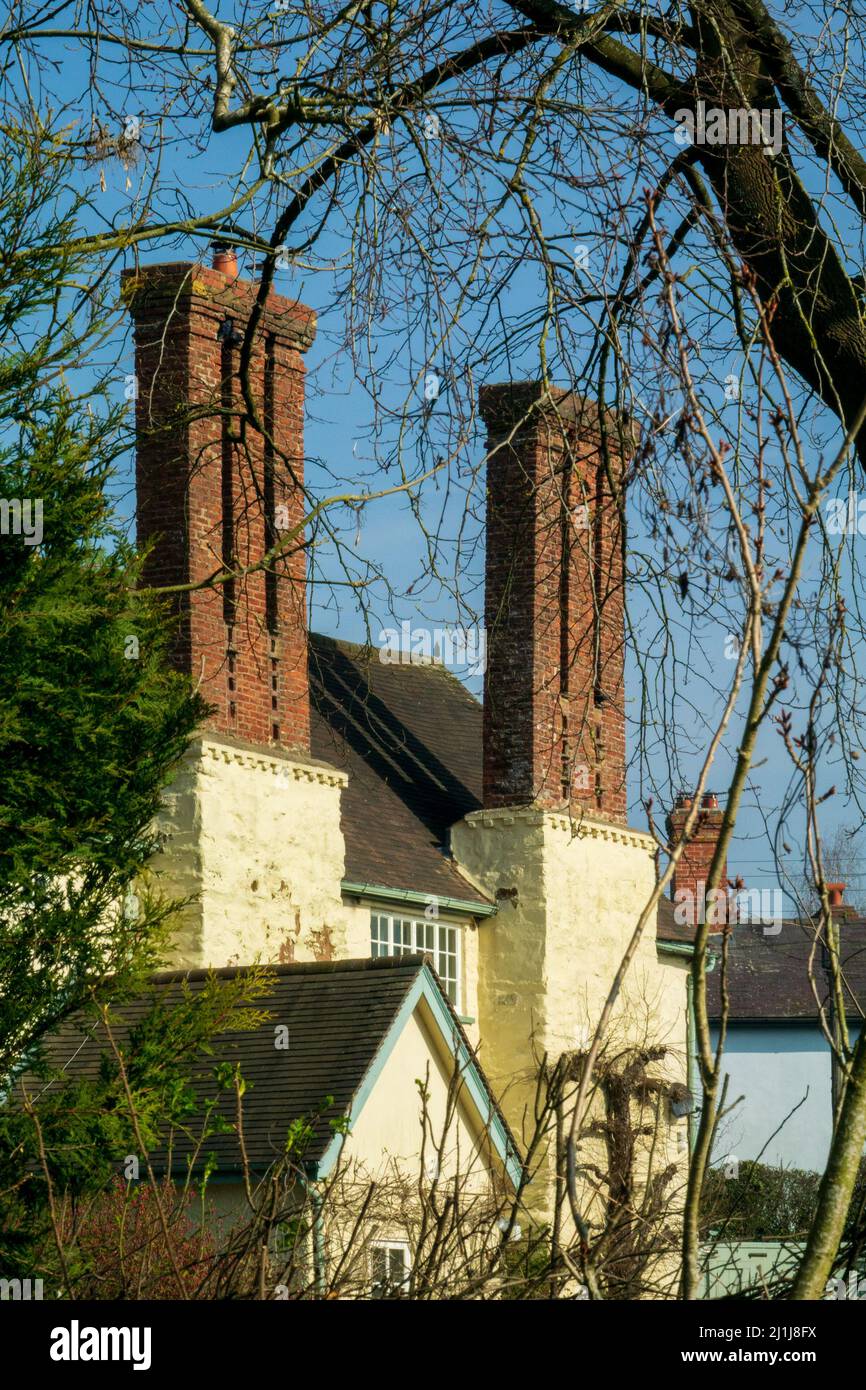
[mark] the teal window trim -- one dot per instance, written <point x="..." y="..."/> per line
<point x="408" y="896"/>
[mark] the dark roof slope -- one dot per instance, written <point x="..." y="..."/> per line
<point x="410" y="739"/>
<point x="769" y="977"/>
<point x="667" y="929"/>
<point x="338" y="1015"/>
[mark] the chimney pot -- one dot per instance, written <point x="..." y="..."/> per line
<point x="835" y="892"/>
<point x="225" y="258"/>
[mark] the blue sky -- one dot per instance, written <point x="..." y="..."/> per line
<point x="340" y="439"/>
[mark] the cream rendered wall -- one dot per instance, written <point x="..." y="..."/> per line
<point x="569" y="896"/>
<point x="387" y="1148"/>
<point x="388" y="1130"/>
<point x="472" y="935"/>
<point x="357" y="916"/>
<point x="254" y="838"/>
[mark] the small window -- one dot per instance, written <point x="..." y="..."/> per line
<point x="389" y="1268"/>
<point x="401" y="936"/>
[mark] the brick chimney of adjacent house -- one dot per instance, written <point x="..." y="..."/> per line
<point x="212" y="492"/>
<point x="693" y="869"/>
<point x="554" y="719"/>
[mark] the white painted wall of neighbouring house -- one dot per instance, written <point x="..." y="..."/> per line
<point x="775" y="1068"/>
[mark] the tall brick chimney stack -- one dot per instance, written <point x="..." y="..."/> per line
<point x="211" y="492"/>
<point x="693" y="869"/>
<point x="554" y="719"/>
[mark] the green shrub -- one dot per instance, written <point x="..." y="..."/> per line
<point x="767" y="1202"/>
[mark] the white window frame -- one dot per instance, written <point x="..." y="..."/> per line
<point x="388" y="1246"/>
<point x="384" y="942"/>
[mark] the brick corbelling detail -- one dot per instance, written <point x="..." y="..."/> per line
<point x="248" y="655"/>
<point x="154" y="294"/>
<point x="519" y="407"/>
<point x="554" y="719"/>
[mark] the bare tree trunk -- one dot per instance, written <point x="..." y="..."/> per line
<point x="837" y="1184"/>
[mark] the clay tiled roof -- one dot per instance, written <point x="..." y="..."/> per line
<point x="338" y="1015"/>
<point x="410" y="739"/>
<point x="669" y="930"/>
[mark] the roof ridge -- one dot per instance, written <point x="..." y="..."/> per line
<point x="410" y="961"/>
<point x="368" y="651"/>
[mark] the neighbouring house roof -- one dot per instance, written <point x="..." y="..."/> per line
<point x="769" y="975"/>
<point x="343" y="1020"/>
<point x="410" y="738"/>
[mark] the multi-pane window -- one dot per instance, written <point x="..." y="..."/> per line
<point x="389" y="1268"/>
<point x="401" y="936"/>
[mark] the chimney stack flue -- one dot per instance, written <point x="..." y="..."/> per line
<point x="214" y="494"/>
<point x="554" y="720"/>
<point x="691" y="876"/>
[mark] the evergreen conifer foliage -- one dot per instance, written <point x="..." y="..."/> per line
<point x="92" y="719"/>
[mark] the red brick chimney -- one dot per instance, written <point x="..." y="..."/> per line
<point x="693" y="869"/>
<point x="212" y="492"/>
<point x="554" y="722"/>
